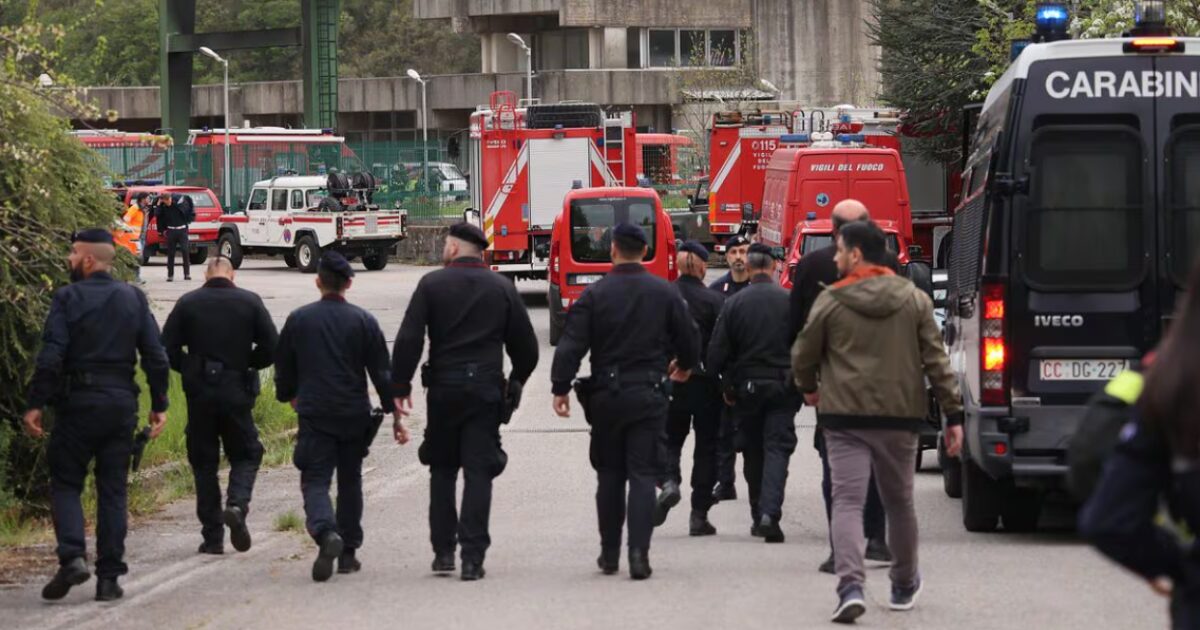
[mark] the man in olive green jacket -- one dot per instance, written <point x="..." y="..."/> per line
<point x="862" y="360"/>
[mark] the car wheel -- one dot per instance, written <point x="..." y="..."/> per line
<point x="1022" y="510"/>
<point x="375" y="261"/>
<point x="308" y="253"/>
<point x="229" y="248"/>
<point x="289" y="259"/>
<point x="981" y="499"/>
<point x="199" y="256"/>
<point x="951" y="472"/>
<point x="558" y="317"/>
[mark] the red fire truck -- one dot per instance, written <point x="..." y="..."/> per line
<point x="525" y="160"/>
<point x="740" y="145"/>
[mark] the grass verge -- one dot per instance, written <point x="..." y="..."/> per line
<point x="289" y="521"/>
<point x="165" y="475"/>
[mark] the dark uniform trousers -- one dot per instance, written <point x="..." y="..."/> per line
<point x="727" y="448"/>
<point x="215" y="421"/>
<point x="695" y="405"/>
<point x="177" y="239"/>
<point x="766" y="422"/>
<point x="321" y="452"/>
<point x="627" y="425"/>
<point x="463" y="433"/>
<point x="81" y="433"/>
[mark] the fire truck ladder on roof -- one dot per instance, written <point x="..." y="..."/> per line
<point x="614" y="149"/>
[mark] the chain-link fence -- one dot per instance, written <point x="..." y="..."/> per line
<point x="424" y="180"/>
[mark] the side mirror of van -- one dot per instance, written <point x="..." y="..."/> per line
<point x="915" y="251"/>
<point x="471" y="215"/>
<point x="779" y="253"/>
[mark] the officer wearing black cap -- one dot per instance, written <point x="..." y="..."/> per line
<point x="736" y="279"/>
<point x="472" y="316"/>
<point x="326" y="352"/>
<point x="96" y="331"/>
<point x="750" y="351"/>
<point x="220" y="378"/>
<point x="696" y="403"/>
<point x="639" y="333"/>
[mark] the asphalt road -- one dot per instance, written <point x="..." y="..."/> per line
<point x="541" y="568"/>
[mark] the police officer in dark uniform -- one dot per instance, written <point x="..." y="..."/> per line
<point x="326" y="352"/>
<point x="640" y="334"/>
<point x="696" y="403"/>
<point x="220" y="378"/>
<point x="95" y="332"/>
<point x="814" y="272"/>
<point x="750" y="350"/>
<point x="174" y="213"/>
<point x="736" y="279"/>
<point x="472" y="315"/>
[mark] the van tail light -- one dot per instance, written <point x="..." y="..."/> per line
<point x="993" y="349"/>
<point x="339" y="227"/>
<point x="672" y="254"/>
<point x="554" y="261"/>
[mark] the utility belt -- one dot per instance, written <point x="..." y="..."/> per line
<point x="214" y="374"/>
<point x="98" y="378"/>
<point x="613" y="381"/>
<point x="176" y="228"/>
<point x="752" y="381"/>
<point x="469" y="374"/>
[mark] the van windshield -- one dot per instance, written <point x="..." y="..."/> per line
<point x="1184" y="186"/>
<point x="592" y="221"/>
<point x="1084" y="226"/>
<point x="813" y="242"/>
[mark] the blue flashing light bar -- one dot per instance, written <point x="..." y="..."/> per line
<point x="847" y="138"/>
<point x="1052" y="16"/>
<point x="812" y="216"/>
<point x="795" y="138"/>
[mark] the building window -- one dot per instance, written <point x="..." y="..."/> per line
<point x="671" y="48"/>
<point x="664" y="51"/>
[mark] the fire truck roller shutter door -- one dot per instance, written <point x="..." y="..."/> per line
<point x="554" y="165"/>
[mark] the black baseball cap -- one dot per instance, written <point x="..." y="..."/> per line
<point x="336" y="263"/>
<point x="736" y="241"/>
<point x="93" y="235"/>
<point x="630" y="233"/>
<point x="759" y="248"/>
<point x="694" y="247"/>
<point x="469" y="233"/>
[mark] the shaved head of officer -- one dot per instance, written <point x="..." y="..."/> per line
<point x="848" y="211"/>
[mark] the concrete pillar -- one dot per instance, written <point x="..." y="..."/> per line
<point x="487" y="59"/>
<point x="614" y="48"/>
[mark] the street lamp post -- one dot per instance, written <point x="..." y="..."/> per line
<point x="228" y="179"/>
<point x="416" y="76"/>
<point x="516" y="39"/>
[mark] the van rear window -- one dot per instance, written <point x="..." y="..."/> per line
<point x="592" y="221"/>
<point x="1085" y="222"/>
<point x="1184" y="187"/>
<point x="813" y="242"/>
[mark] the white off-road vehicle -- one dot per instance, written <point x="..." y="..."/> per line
<point x="301" y="216"/>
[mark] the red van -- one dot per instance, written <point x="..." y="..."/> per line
<point x="803" y="182"/>
<point x="581" y="241"/>
<point x="810" y="236"/>
<point x="202" y="232"/>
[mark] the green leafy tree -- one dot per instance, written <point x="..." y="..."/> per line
<point x="50" y="185"/>
<point x="929" y="68"/>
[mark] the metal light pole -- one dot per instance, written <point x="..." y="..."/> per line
<point x="208" y="52"/>
<point x="516" y="39"/>
<point x="416" y="76"/>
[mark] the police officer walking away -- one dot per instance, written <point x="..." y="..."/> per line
<point x="472" y="315"/>
<point x="220" y="378"/>
<point x="175" y="213"/>
<point x="749" y="349"/>
<point x="695" y="403"/>
<point x="736" y="279"/>
<point x="639" y="333"/>
<point x="326" y="352"/>
<point x="94" y="334"/>
<point x="814" y="272"/>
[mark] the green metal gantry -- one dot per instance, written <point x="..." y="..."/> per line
<point x="316" y="36"/>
